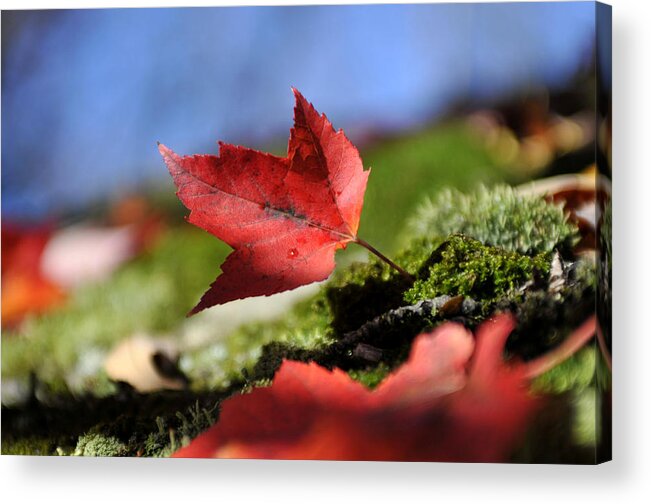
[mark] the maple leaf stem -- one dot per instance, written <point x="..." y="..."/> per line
<point x="564" y="351"/>
<point x="379" y="254"/>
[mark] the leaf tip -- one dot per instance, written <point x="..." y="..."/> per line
<point x="162" y="149"/>
<point x="300" y="99"/>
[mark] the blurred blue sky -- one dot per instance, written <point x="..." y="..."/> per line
<point x="87" y="93"/>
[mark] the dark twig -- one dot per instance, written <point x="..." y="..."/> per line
<point x="426" y="309"/>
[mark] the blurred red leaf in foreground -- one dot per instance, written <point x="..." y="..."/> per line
<point x="453" y="400"/>
<point x="285" y="217"/>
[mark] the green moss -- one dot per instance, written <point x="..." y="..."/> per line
<point x="585" y="417"/>
<point x="417" y="253"/>
<point x="497" y="216"/>
<point x="173" y="432"/>
<point x="361" y="293"/>
<point x="576" y="373"/>
<point x="151" y="293"/>
<point x="97" y="445"/>
<point x="31" y="445"/>
<point x="371" y="377"/>
<point x="464" y="266"/>
<point x="364" y="291"/>
<point x="127" y="423"/>
<point x="406" y="169"/>
<point x="233" y="358"/>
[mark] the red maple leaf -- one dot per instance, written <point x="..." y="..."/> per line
<point x="285" y="217"/>
<point x="453" y="400"/>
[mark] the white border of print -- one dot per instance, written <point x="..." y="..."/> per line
<point x="627" y="479"/>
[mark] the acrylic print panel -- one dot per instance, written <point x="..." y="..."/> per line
<point x="421" y="275"/>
